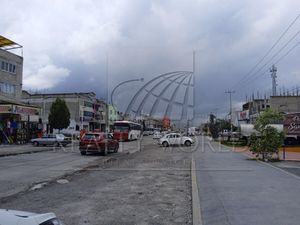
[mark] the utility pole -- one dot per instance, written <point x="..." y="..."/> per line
<point x="273" y="71"/>
<point x="194" y="85"/>
<point x="230" y="92"/>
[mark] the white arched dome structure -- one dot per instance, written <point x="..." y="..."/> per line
<point x="170" y="94"/>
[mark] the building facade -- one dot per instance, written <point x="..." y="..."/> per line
<point x="252" y="109"/>
<point x="285" y="104"/>
<point x="86" y="111"/>
<point x="11" y="72"/>
<point x="18" y="122"/>
<point x="113" y="115"/>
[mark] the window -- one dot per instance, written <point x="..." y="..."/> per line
<point x="88" y="104"/>
<point x="8" y="67"/>
<point x="88" y="114"/>
<point x="7" y="88"/>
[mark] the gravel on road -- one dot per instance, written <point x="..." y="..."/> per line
<point x="148" y="187"/>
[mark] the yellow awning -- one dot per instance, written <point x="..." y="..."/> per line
<point x="7" y="44"/>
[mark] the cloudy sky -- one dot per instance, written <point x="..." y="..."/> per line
<point x="67" y="43"/>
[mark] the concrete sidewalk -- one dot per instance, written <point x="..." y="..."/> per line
<point x="10" y="150"/>
<point x="237" y="191"/>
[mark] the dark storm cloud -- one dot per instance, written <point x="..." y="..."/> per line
<point x="66" y="43"/>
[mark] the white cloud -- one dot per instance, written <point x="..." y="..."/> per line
<point x="46" y="77"/>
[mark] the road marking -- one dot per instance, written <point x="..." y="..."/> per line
<point x="196" y="209"/>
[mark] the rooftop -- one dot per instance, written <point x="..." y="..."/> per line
<point x="7" y="44"/>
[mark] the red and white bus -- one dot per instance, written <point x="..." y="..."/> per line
<point x="126" y="130"/>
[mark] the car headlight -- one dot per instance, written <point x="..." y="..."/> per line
<point x="54" y="221"/>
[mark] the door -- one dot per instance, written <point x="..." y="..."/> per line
<point x="177" y="139"/>
<point x="172" y="139"/>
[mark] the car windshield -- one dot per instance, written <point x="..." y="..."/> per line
<point x="121" y="128"/>
<point x="91" y="136"/>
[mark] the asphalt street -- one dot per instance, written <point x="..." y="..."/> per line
<point x="237" y="191"/>
<point x="151" y="186"/>
<point x="22" y="172"/>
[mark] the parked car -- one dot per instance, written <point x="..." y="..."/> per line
<point x="157" y="135"/>
<point x="175" y="139"/>
<point x="94" y="142"/>
<point x="52" y="139"/>
<point x="13" y="217"/>
<point x="146" y="133"/>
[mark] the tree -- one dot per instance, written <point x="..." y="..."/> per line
<point x="270" y="139"/>
<point x="59" y="116"/>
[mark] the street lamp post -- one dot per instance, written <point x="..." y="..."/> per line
<point x="124" y="82"/>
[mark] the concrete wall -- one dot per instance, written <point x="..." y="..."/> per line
<point x="11" y="78"/>
<point x="286" y="104"/>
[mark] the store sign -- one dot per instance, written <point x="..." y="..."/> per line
<point x="5" y="108"/>
<point x="26" y="110"/>
<point x="291" y="123"/>
<point x="244" y="115"/>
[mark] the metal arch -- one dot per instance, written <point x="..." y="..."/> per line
<point x="113" y="91"/>
<point x="185" y="102"/>
<point x="169" y="107"/>
<point x="159" y="97"/>
<point x="138" y="111"/>
<point x="143" y="87"/>
<point x="183" y="83"/>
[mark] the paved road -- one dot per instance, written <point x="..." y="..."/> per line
<point x="22" y="172"/>
<point x="149" y="187"/>
<point x="237" y="191"/>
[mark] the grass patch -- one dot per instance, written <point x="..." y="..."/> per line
<point x="234" y="143"/>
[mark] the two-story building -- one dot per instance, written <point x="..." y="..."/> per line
<point x="18" y="122"/>
<point x="86" y="111"/>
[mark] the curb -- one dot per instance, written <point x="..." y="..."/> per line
<point x="25" y="152"/>
<point x="196" y="208"/>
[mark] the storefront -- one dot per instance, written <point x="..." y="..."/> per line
<point x="19" y="123"/>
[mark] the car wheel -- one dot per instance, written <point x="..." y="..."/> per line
<point x="35" y="143"/>
<point x="57" y="144"/>
<point x="187" y="143"/>
<point x="165" y="144"/>
<point x="83" y="152"/>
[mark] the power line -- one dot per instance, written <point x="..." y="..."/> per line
<point x="270" y="60"/>
<point x="269" y="51"/>
<point x="276" y="62"/>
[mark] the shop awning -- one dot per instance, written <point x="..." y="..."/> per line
<point x="7" y="44"/>
<point x="19" y="109"/>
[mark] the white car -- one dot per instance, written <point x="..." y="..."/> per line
<point x="51" y="139"/>
<point x="13" y="217"/>
<point x="175" y="139"/>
